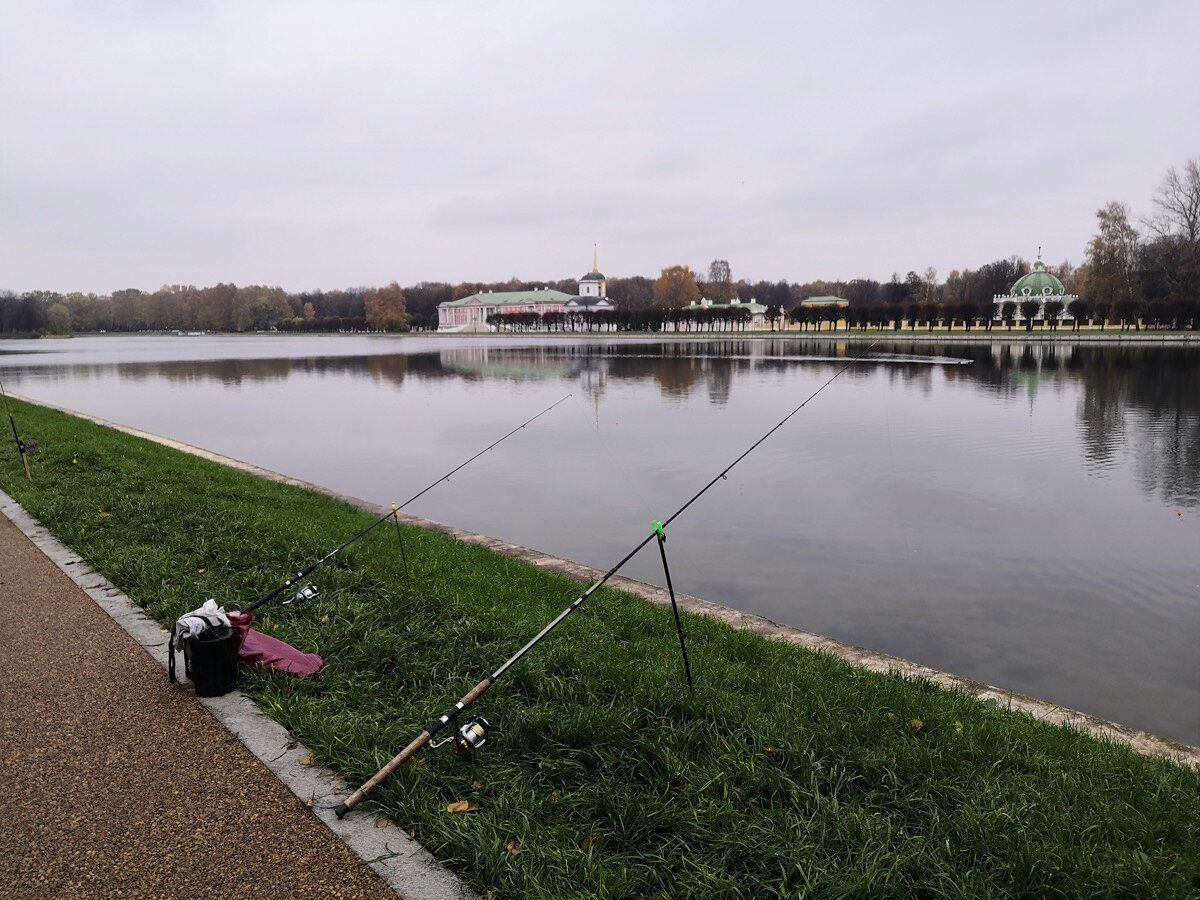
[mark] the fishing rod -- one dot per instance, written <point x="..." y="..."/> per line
<point x="308" y="592"/>
<point x="22" y="447"/>
<point x="474" y="732"/>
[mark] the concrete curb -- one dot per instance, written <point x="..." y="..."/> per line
<point x="403" y="863"/>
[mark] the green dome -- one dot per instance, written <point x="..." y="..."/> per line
<point x="1038" y="283"/>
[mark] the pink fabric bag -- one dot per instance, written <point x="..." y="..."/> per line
<point x="257" y="649"/>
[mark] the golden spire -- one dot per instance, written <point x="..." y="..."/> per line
<point x="595" y="265"/>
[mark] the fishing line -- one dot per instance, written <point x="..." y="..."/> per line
<point x="446" y="718"/>
<point x="393" y="514"/>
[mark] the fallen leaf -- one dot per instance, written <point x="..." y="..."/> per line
<point x="891" y="716"/>
<point x="308" y="760"/>
<point x="592" y="842"/>
<point x="381" y="822"/>
<point x="958" y="726"/>
<point x="677" y="784"/>
<point x="553" y="798"/>
<point x="915" y="724"/>
<point x="461" y="806"/>
<point x="324" y="618"/>
<point x="477" y="785"/>
<point x="419" y="761"/>
<point x="201" y="571"/>
<point x="514" y="847"/>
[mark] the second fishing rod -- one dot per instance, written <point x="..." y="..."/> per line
<point x="392" y="514"/>
<point x="474" y="733"/>
<point x="24" y="448"/>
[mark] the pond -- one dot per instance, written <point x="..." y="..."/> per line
<point x="1025" y="515"/>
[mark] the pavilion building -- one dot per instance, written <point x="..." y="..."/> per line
<point x="1040" y="285"/>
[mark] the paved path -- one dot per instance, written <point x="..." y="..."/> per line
<point x="116" y="783"/>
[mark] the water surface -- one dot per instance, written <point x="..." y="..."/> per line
<point x="1023" y="515"/>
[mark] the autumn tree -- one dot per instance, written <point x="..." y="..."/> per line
<point x="675" y="288"/>
<point x="125" y="309"/>
<point x="384" y="308"/>
<point x="260" y="307"/>
<point x="1113" y="256"/>
<point x="89" y="312"/>
<point x="58" y="318"/>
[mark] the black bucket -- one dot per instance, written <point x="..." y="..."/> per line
<point x="210" y="661"/>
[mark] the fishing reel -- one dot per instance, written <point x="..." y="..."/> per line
<point x="303" y="594"/>
<point x="471" y="735"/>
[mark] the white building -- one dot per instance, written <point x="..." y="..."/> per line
<point x="471" y="314"/>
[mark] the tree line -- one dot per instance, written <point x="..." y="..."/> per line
<point x="1136" y="276"/>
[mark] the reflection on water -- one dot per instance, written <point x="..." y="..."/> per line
<point x="1022" y="514"/>
<point x="1144" y="400"/>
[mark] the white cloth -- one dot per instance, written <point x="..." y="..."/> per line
<point x="193" y="623"/>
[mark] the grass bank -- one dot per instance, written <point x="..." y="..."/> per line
<point x="786" y="772"/>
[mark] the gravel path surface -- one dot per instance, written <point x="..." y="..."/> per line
<point x="119" y="784"/>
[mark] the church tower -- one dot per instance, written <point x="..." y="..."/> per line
<point x="593" y="284"/>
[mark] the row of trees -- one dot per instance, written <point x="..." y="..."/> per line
<point x="1134" y="275"/>
<point x="223" y="307"/>
<point x="1175" y="315"/>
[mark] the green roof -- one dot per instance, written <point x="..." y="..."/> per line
<point x="1036" y="283"/>
<point x="825" y="301"/>
<point x="507" y="298"/>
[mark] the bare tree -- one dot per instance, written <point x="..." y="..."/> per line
<point x="719" y="286"/>
<point x="1178" y="203"/>
<point x="929" y="286"/>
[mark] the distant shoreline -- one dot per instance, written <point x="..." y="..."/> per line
<point x="1091" y="335"/>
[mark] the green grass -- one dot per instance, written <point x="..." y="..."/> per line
<point x="785" y="773"/>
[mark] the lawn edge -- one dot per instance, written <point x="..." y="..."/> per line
<point x="1143" y="742"/>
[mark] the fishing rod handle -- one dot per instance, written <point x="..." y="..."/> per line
<point x="420" y="741"/>
<point x="398" y="760"/>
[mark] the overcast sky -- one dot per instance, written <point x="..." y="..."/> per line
<point x="339" y="144"/>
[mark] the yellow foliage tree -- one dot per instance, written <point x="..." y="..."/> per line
<point x="675" y="288"/>
<point x="384" y="308"/>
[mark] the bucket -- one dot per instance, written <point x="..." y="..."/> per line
<point x="210" y="661"/>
